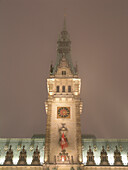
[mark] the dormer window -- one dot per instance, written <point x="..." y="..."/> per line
<point x="63" y="88"/>
<point x="57" y="88"/>
<point x="63" y="72"/>
<point x="69" y="88"/>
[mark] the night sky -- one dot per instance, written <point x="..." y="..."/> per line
<point x="29" y="31"/>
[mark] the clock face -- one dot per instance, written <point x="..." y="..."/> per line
<point x="63" y="112"/>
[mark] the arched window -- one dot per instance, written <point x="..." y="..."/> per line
<point x="63" y="88"/>
<point x="69" y="88"/>
<point x="57" y="88"/>
<point x="63" y="72"/>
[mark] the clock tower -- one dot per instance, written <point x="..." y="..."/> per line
<point x="63" y="108"/>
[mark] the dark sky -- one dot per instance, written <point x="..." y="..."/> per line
<point x="28" y="34"/>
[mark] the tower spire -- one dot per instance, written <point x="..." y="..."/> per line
<point x="64" y="25"/>
<point x="64" y="50"/>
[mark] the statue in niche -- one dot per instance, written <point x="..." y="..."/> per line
<point x="90" y="157"/>
<point x="117" y="157"/>
<point x="9" y="157"/>
<point x="22" y="157"/>
<point x="104" y="157"/>
<point x="36" y="157"/>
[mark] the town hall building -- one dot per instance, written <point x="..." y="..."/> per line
<point x="63" y="147"/>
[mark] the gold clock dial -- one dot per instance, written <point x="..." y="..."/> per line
<point x="63" y="112"/>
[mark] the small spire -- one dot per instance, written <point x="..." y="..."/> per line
<point x="59" y="37"/>
<point x="51" y="68"/>
<point x="64" y="26"/>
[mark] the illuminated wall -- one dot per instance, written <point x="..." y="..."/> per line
<point x="96" y="145"/>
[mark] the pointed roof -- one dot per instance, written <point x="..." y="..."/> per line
<point x="64" y="49"/>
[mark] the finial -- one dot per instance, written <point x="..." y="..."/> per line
<point x="51" y="68"/>
<point x="76" y="68"/>
<point x="64" y="26"/>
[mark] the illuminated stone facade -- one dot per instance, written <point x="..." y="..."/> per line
<point x="63" y="109"/>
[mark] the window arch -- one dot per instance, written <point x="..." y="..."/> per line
<point x="63" y="72"/>
<point x="69" y="88"/>
<point x="63" y="88"/>
<point x="57" y="88"/>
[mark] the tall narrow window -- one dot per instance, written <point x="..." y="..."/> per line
<point x="63" y="88"/>
<point x="63" y="72"/>
<point x="57" y="88"/>
<point x="69" y="88"/>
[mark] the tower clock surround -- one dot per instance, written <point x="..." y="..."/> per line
<point x="63" y="112"/>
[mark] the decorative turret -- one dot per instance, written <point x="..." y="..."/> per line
<point x="36" y="157"/>
<point x="104" y="157"/>
<point x="76" y="69"/>
<point x="9" y="157"/>
<point x="90" y="157"/>
<point x="117" y="157"/>
<point x="22" y="157"/>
